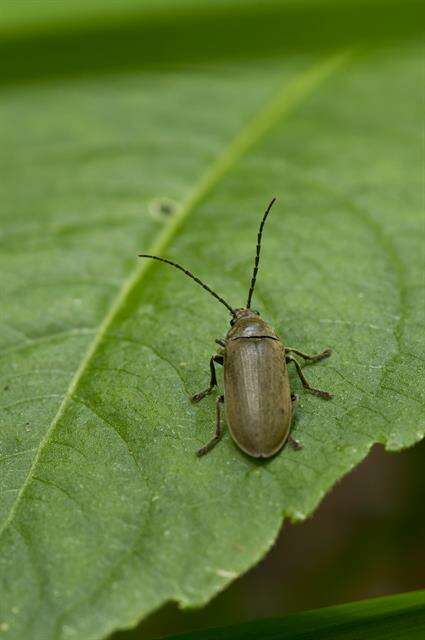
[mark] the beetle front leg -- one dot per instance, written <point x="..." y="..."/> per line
<point x="305" y="383"/>
<point x="313" y="357"/>
<point x="217" y="435"/>
<point x="213" y="380"/>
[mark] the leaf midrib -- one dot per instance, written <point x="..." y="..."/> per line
<point x="281" y="105"/>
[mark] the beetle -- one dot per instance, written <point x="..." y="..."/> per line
<point x="258" y="401"/>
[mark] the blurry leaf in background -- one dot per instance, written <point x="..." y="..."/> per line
<point x="105" y="511"/>
<point x="59" y="39"/>
<point x="400" y="617"/>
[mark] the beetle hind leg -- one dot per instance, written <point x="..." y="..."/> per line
<point x="316" y="392"/>
<point x="213" y="380"/>
<point x="217" y="435"/>
<point x="293" y="442"/>
<point x="294" y="401"/>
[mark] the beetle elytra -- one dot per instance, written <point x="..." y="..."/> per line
<point x="257" y="396"/>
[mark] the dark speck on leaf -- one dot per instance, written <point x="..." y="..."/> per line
<point x="162" y="208"/>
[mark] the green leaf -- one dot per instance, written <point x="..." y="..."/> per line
<point x="105" y="511"/>
<point x="400" y="617"/>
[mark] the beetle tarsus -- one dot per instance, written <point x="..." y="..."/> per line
<point x="319" y="393"/>
<point x="295" y="444"/>
<point x="217" y="435"/>
<point x="200" y="396"/>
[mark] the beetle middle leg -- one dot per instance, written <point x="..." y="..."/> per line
<point x="213" y="380"/>
<point x="305" y="382"/>
<point x="217" y="435"/>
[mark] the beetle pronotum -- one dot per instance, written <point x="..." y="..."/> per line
<point x="257" y="396"/>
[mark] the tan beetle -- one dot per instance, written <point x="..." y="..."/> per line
<point x="257" y="395"/>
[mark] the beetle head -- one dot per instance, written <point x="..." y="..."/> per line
<point x="243" y="313"/>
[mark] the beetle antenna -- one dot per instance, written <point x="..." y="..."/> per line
<point x="190" y="274"/>
<point x="257" y="255"/>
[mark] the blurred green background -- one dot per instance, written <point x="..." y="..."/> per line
<point x="42" y="39"/>
<point x="372" y="525"/>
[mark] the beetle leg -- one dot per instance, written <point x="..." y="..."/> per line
<point x="314" y="357"/>
<point x="213" y="380"/>
<point x="221" y="342"/>
<point x="305" y="383"/>
<point x="294" y="400"/>
<point x="294" y="443"/>
<point x="217" y="435"/>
